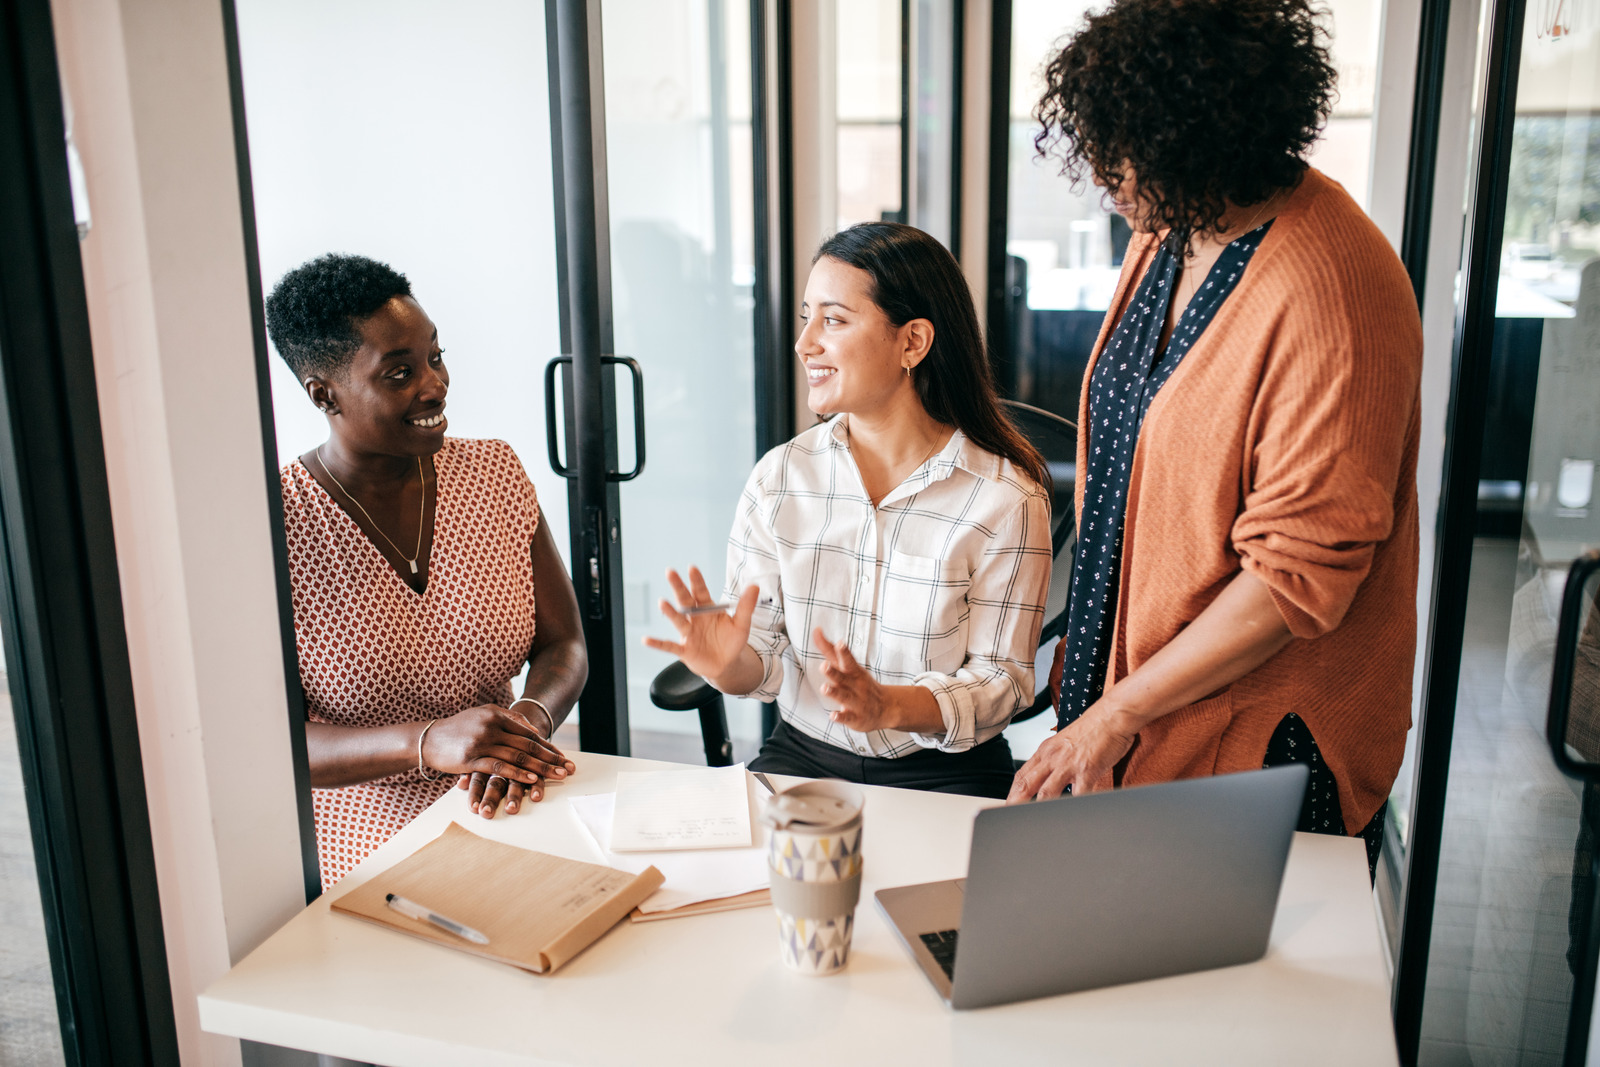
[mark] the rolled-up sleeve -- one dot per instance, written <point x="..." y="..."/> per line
<point x="753" y="560"/>
<point x="1329" y="433"/>
<point x="1005" y="601"/>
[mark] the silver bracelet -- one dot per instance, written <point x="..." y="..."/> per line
<point x="422" y="767"/>
<point x="549" y="718"/>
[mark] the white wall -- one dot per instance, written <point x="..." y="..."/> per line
<point x="164" y="269"/>
<point x="417" y="133"/>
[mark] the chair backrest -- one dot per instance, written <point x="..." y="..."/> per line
<point x="1056" y="439"/>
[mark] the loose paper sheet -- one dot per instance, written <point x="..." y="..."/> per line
<point x="692" y="808"/>
<point x="690" y="876"/>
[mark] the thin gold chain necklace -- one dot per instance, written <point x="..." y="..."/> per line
<point x="422" y="509"/>
<point x="909" y="473"/>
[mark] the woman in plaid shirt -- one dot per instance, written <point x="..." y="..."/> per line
<point x="890" y="563"/>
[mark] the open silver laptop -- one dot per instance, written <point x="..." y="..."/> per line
<point x="1112" y="887"/>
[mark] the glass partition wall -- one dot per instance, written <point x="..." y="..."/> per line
<point x="681" y="200"/>
<point x="897" y="66"/>
<point x="1510" y="923"/>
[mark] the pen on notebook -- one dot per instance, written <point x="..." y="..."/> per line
<point x="412" y="910"/>
<point x="764" y="782"/>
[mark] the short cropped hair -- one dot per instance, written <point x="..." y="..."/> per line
<point x="1209" y="101"/>
<point x="313" y="311"/>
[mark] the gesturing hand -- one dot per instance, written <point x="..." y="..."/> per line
<point x="1076" y="756"/>
<point x="710" y="643"/>
<point x="862" y="702"/>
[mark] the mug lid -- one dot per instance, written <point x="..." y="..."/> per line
<point x="818" y="806"/>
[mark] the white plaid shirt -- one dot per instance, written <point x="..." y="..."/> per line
<point x="942" y="585"/>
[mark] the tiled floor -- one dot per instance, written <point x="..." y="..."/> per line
<point x="29" y="1031"/>
<point x="1498" y="984"/>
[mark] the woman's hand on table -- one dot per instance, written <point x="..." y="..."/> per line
<point x="490" y="740"/>
<point x="1074" y="757"/>
<point x="710" y="644"/>
<point x="486" y="791"/>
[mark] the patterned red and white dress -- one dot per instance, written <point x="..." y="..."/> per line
<point x="374" y="652"/>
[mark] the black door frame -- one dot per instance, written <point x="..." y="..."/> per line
<point x="583" y="272"/>
<point x="65" y="643"/>
<point x="1458" y="501"/>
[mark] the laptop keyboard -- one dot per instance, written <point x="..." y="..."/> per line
<point x="942" y="944"/>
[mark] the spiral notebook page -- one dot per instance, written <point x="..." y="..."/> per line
<point x="691" y="808"/>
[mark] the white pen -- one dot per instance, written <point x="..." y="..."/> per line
<point x="412" y="910"/>
<point x="707" y="609"/>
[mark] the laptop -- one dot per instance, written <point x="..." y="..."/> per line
<point x="1082" y="892"/>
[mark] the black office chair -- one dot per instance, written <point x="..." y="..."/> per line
<point x="677" y="688"/>
<point x="1057" y="440"/>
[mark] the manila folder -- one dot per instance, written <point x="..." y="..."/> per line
<point x="537" y="910"/>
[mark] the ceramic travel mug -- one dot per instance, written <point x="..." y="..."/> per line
<point x="814" y="861"/>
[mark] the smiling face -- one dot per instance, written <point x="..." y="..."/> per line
<point x="389" y="398"/>
<point x="855" y="358"/>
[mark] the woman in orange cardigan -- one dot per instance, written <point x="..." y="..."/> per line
<point x="1245" y="583"/>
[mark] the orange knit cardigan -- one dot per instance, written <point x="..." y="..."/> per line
<point x="1285" y="444"/>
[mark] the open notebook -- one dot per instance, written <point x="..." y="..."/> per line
<point x="537" y="910"/>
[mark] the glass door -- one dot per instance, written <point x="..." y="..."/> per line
<point x="658" y="215"/>
<point x="1509" y="925"/>
<point x="680" y="185"/>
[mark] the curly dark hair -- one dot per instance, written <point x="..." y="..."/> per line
<point x="313" y="310"/>
<point x="1208" y="101"/>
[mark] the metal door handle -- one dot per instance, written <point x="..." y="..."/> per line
<point x="553" y="446"/>
<point x="638" y="417"/>
<point x="1561" y="671"/>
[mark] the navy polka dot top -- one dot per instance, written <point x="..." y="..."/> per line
<point x="1129" y="373"/>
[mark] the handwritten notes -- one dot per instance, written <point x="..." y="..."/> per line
<point x="691" y="808"/>
<point x="692" y="875"/>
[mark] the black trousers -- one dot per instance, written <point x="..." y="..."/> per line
<point x="983" y="771"/>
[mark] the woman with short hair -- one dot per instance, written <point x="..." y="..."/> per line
<point x="413" y="562"/>
<point x="889" y="564"/>
<point x="1244" y="587"/>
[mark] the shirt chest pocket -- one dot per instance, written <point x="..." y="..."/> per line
<point x="923" y="614"/>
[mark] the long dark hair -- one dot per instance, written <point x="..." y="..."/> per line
<point x="915" y="277"/>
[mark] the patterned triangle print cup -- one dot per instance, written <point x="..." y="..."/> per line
<point x="814" y="861"/>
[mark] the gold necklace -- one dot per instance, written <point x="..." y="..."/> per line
<point x="908" y="473"/>
<point x="924" y="459"/>
<point x="422" y="509"/>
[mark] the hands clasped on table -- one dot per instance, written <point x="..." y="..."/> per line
<point x="499" y="753"/>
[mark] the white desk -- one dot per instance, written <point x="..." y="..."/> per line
<point x="711" y="990"/>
